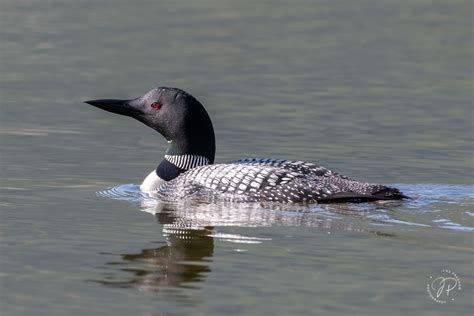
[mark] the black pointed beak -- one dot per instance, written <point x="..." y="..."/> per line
<point x="122" y="107"/>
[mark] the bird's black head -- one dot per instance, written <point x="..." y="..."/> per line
<point x="175" y="114"/>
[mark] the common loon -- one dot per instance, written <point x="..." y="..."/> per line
<point x="187" y="170"/>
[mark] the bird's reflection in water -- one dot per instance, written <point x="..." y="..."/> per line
<point x="190" y="229"/>
<point x="183" y="260"/>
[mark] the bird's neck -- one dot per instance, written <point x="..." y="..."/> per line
<point x="178" y="160"/>
<point x="191" y="144"/>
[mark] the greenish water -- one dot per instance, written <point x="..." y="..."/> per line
<point x="377" y="90"/>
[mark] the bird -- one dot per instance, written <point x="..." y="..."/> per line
<point x="188" y="171"/>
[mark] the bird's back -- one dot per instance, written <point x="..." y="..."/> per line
<point x="273" y="180"/>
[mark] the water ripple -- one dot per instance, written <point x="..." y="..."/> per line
<point x="432" y="206"/>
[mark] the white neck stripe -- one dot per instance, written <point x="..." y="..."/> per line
<point x="187" y="162"/>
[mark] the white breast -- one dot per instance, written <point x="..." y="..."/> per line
<point x="151" y="182"/>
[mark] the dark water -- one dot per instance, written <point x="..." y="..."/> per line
<point x="378" y="90"/>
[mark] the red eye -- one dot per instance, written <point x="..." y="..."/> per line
<point x="156" y="105"/>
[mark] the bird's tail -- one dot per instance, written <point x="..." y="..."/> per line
<point x="379" y="193"/>
<point x="387" y="193"/>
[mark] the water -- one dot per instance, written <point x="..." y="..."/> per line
<point x="378" y="90"/>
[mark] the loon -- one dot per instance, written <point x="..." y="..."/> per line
<point x="188" y="169"/>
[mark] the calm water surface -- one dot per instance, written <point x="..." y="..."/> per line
<point x="378" y="90"/>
